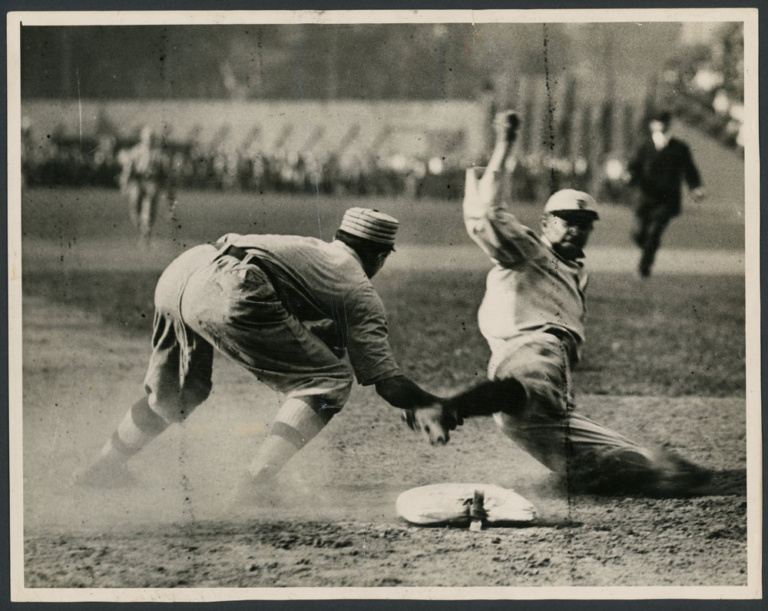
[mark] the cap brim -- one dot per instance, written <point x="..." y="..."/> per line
<point x="576" y="214"/>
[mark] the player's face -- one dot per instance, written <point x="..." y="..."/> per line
<point x="373" y="268"/>
<point x="568" y="236"/>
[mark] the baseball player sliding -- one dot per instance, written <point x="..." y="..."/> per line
<point x="288" y="309"/>
<point x="532" y="317"/>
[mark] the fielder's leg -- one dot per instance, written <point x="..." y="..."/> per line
<point x="139" y="426"/>
<point x="296" y="424"/>
<point x="256" y="331"/>
<point x="178" y="379"/>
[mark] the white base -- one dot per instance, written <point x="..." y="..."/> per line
<point x="449" y="504"/>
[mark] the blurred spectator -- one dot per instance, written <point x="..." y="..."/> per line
<point x="614" y="182"/>
<point x="145" y="176"/>
<point x="704" y="84"/>
<point x="223" y="165"/>
<point x="658" y="169"/>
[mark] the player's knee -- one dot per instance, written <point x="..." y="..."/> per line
<point x="191" y="397"/>
<point x="178" y="406"/>
<point x="326" y="409"/>
<point x="339" y="394"/>
<point x="331" y="403"/>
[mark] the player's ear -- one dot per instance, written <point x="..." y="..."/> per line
<point x="381" y="258"/>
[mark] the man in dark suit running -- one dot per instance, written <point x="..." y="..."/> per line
<point x="658" y="169"/>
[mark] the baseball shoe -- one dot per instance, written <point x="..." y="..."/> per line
<point x="619" y="472"/>
<point x="103" y="474"/>
<point x="677" y="477"/>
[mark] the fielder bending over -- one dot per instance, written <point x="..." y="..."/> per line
<point x="532" y="317"/>
<point x="288" y="309"/>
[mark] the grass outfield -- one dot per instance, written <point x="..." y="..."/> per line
<point x="676" y="335"/>
<point x="684" y="338"/>
<point x="63" y="215"/>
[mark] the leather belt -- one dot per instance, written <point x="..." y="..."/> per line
<point x="241" y="254"/>
<point x="567" y="339"/>
<point x="559" y="333"/>
<point x="233" y="251"/>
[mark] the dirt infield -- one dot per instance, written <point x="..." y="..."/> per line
<point x="335" y="525"/>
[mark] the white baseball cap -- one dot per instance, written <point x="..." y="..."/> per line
<point x="571" y="201"/>
<point x="370" y="225"/>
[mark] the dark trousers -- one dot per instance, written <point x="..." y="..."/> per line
<point x="651" y="223"/>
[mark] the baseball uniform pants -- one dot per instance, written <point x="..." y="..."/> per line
<point x="207" y="299"/>
<point x="547" y="427"/>
<point x="142" y="204"/>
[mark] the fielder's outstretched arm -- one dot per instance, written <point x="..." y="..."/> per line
<point x="400" y="391"/>
<point x="424" y="411"/>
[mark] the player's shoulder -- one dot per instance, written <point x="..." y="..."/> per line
<point x="335" y="258"/>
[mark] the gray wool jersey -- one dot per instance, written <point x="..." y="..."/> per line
<point x="324" y="282"/>
<point x="530" y="287"/>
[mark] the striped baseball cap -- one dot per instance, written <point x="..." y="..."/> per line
<point x="370" y="225"/>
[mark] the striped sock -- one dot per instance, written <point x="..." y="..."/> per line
<point x="296" y="425"/>
<point x="139" y="426"/>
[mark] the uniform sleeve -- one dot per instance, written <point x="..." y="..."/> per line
<point x="367" y="336"/>
<point x="490" y="224"/>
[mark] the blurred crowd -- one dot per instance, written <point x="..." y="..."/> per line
<point x="704" y="85"/>
<point x="97" y="161"/>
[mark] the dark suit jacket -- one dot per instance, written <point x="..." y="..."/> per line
<point x="659" y="174"/>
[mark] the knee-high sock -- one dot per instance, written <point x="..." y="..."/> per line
<point x="139" y="426"/>
<point x="295" y="425"/>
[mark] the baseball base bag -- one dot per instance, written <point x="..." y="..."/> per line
<point x="465" y="505"/>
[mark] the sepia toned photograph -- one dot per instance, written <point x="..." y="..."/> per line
<point x="384" y="304"/>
